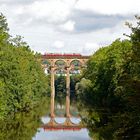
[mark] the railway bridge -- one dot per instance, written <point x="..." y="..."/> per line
<point x="66" y="64"/>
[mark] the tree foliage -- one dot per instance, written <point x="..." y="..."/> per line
<point x="110" y="92"/>
<point x="22" y="80"/>
<point x="60" y="88"/>
<point x="23" y="125"/>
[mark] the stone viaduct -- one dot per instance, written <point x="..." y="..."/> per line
<point x="66" y="64"/>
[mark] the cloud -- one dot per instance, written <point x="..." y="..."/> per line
<point x="86" y="21"/>
<point x="110" y="7"/>
<point x="58" y="44"/>
<point x="54" y="11"/>
<point x="62" y="15"/>
<point x="68" y="26"/>
<point x="49" y="11"/>
<point x="90" y="47"/>
<point x="16" y="2"/>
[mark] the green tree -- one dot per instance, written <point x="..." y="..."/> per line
<point x="23" y="82"/>
<point x="111" y="96"/>
<point x="60" y="89"/>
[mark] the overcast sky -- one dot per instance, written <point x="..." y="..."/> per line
<point x="69" y="26"/>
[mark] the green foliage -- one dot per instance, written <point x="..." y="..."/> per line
<point x="22" y="80"/>
<point x="111" y="90"/>
<point x="74" y="78"/>
<point x="23" y="125"/>
<point x="60" y="89"/>
<point x="4" y="36"/>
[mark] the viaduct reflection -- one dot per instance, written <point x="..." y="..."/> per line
<point x="65" y="64"/>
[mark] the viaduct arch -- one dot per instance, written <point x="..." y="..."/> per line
<point x="64" y="62"/>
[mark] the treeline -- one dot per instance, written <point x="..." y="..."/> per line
<point x="109" y="92"/>
<point x="22" y="80"/>
<point x="23" y="125"/>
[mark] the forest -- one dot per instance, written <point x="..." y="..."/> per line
<point x="22" y="80"/>
<point x="109" y="90"/>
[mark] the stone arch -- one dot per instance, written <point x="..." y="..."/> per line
<point x="64" y="68"/>
<point x="76" y="62"/>
<point x="46" y="62"/>
<point x="60" y="63"/>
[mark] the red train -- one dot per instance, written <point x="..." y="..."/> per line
<point x="59" y="54"/>
<point x="64" y="56"/>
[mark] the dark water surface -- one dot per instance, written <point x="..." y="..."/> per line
<point x="28" y="126"/>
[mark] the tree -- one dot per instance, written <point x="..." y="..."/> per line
<point x="112" y="99"/>
<point x="23" y="82"/>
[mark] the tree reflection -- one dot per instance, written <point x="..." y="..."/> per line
<point x="23" y="126"/>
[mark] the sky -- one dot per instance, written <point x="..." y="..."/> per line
<point x="69" y="26"/>
<point x="61" y="135"/>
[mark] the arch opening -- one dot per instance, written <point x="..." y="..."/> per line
<point x="46" y="62"/>
<point x="75" y="64"/>
<point x="60" y="63"/>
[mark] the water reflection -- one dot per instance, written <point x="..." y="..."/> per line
<point x="62" y="135"/>
<point x="21" y="126"/>
<point x="60" y="119"/>
<point x="24" y="125"/>
<point x="28" y="126"/>
<point x="57" y="128"/>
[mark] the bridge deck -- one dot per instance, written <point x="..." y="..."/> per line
<point x="63" y="56"/>
<point x="61" y="127"/>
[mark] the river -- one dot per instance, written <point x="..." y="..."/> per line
<point x="61" y="134"/>
<point x="28" y="126"/>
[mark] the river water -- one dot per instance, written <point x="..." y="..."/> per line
<point x="61" y="134"/>
<point x="43" y="134"/>
<point x="28" y="126"/>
